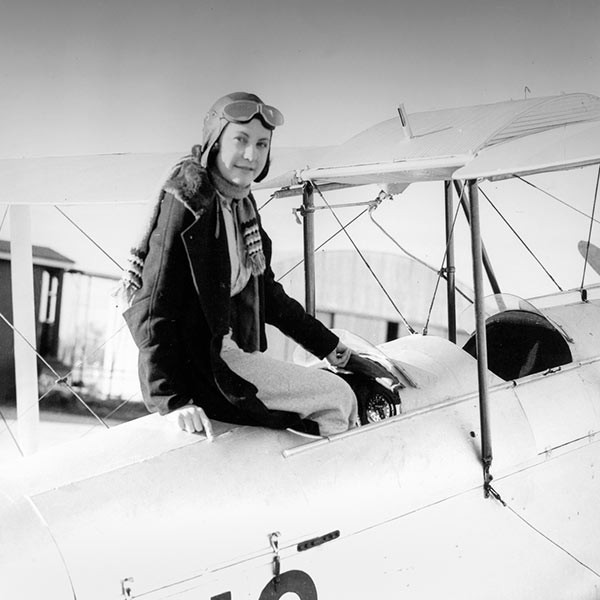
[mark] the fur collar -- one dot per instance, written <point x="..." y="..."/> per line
<point x="191" y="185"/>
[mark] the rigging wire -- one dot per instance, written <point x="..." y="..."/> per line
<point x="587" y="247"/>
<point x="59" y="379"/>
<point x="82" y="361"/>
<point x="89" y="238"/>
<point x="554" y="197"/>
<point x="109" y="415"/>
<point x="120" y="406"/>
<point x="325" y="242"/>
<point x="63" y="379"/>
<point x="14" y="439"/>
<point x="271" y="197"/>
<point x="406" y="323"/>
<point x="497" y="496"/>
<point x="437" y="283"/>
<point x="414" y="257"/>
<point x="4" y="216"/>
<point x="520" y="239"/>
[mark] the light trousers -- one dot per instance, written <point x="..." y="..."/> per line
<point x="312" y="393"/>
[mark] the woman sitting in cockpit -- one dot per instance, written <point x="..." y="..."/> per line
<point x="201" y="289"/>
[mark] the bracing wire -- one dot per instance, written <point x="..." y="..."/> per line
<point x="587" y="246"/>
<point x="520" y="239"/>
<point x="63" y="379"/>
<point x="14" y="439"/>
<point x="84" y="358"/>
<point x="59" y="379"/>
<point x="402" y="317"/>
<point x="110" y="414"/>
<point x="120" y="406"/>
<point x="410" y="255"/>
<point x="554" y="197"/>
<point x="271" y="198"/>
<point x="325" y="242"/>
<point x="89" y="238"/>
<point x="577" y="560"/>
<point x="437" y="283"/>
<point x="4" y="217"/>
<point x="8" y="428"/>
<point x="82" y="361"/>
<point x="496" y="495"/>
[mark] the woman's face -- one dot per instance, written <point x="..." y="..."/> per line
<point x="243" y="151"/>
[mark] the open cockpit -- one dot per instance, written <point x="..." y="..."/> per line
<point x="520" y="340"/>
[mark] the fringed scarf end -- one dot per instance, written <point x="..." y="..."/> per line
<point x="257" y="263"/>
<point x="131" y="280"/>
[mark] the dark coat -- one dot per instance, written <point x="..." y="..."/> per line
<point x="179" y="317"/>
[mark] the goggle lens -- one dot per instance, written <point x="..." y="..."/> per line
<point x="242" y="111"/>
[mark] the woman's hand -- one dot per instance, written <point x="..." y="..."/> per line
<point x="192" y="418"/>
<point x="340" y="356"/>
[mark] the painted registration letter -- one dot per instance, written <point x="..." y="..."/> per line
<point x="296" y="582"/>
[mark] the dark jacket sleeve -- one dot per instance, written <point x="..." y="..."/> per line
<point x="289" y="316"/>
<point x="154" y="317"/>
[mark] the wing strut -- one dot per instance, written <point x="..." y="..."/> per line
<point x="486" y="261"/>
<point x="450" y="268"/>
<point x="476" y="249"/>
<point x="308" y="225"/>
<point x="23" y="304"/>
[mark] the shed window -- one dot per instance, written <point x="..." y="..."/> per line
<point x="48" y="298"/>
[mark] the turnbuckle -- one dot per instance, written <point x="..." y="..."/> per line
<point x="274" y="541"/>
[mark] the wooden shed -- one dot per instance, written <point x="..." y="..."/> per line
<point x="48" y="270"/>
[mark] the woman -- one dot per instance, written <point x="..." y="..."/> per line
<point x="202" y="290"/>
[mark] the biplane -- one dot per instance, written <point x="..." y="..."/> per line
<point x="476" y="470"/>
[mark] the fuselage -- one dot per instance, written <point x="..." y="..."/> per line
<point x="393" y="509"/>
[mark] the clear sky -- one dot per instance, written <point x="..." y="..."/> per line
<point x="95" y="76"/>
<point x="98" y="76"/>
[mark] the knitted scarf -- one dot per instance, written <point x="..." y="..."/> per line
<point x="245" y="216"/>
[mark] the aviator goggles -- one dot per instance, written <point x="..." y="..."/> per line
<point x="242" y="111"/>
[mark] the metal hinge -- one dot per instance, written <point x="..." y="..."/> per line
<point x="127" y="588"/>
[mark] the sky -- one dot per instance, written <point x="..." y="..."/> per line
<point x="90" y="77"/>
<point x="86" y="77"/>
